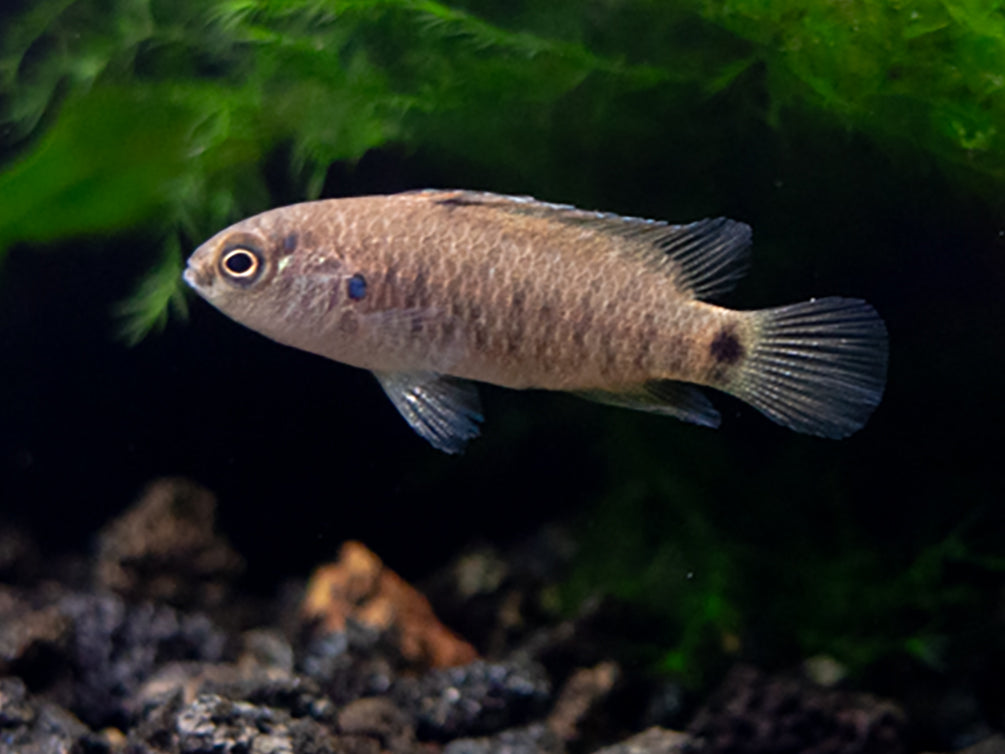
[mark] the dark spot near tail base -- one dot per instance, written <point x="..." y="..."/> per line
<point x="726" y="348"/>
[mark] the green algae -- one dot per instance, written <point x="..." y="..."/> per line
<point x="161" y="115"/>
<point x="926" y="77"/>
<point x="743" y="556"/>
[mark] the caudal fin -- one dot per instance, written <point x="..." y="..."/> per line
<point x="817" y="367"/>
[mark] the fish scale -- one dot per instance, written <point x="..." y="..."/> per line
<point x="432" y="290"/>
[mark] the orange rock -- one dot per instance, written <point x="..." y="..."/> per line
<point x="359" y="586"/>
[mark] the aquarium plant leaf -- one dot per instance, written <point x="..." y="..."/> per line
<point x="92" y="173"/>
<point x="158" y="296"/>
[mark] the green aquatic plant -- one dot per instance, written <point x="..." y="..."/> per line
<point x="161" y="115"/>
<point x="164" y="114"/>
<point x="721" y="563"/>
<point x="652" y="549"/>
<point x="925" y="77"/>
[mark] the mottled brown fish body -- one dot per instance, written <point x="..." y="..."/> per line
<point x="514" y="300"/>
<point x="489" y="288"/>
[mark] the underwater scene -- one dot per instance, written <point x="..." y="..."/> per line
<point x="497" y="377"/>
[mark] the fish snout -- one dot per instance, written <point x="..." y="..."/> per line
<point x="196" y="277"/>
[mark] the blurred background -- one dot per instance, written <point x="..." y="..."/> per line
<point x="864" y="142"/>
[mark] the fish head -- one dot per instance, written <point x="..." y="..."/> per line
<point x="267" y="274"/>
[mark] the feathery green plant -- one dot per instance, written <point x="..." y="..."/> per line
<point x="160" y="115"/>
<point x="150" y="112"/>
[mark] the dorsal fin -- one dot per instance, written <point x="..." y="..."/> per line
<point x="703" y="258"/>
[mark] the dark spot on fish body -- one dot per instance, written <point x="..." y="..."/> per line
<point x="348" y="323"/>
<point x="514" y="336"/>
<point x="726" y="349"/>
<point x="542" y="334"/>
<point x="580" y="326"/>
<point x="644" y="343"/>
<point x="390" y="278"/>
<point x="417" y="293"/>
<point x="546" y="316"/>
<point x="357" y="287"/>
<point x="481" y="335"/>
<point x="516" y="301"/>
<point x="448" y="328"/>
<point x="673" y="354"/>
<point x="290" y="243"/>
<point x="583" y="323"/>
<point x="610" y="352"/>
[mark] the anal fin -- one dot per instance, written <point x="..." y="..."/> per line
<point x="665" y="397"/>
<point x="445" y="411"/>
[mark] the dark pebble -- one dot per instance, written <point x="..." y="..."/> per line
<point x="350" y="664"/>
<point x="115" y="647"/>
<point x="378" y="718"/>
<point x="533" y="739"/>
<point x="32" y="726"/>
<point x="214" y="725"/>
<point x="753" y="713"/>
<point x="475" y="699"/>
<point x="165" y="548"/>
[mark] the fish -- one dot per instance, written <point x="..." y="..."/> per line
<point x="436" y="290"/>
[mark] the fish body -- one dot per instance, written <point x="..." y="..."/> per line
<point x="432" y="290"/>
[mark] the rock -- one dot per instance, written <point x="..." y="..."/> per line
<point x="91" y="652"/>
<point x="115" y="647"/>
<point x="164" y="548"/>
<point x="30" y="726"/>
<point x="500" y="596"/>
<point x="29" y="636"/>
<point x="652" y="741"/>
<point x="824" y="670"/>
<point x="582" y="697"/>
<point x="475" y="699"/>
<point x="991" y="745"/>
<point x="357" y="662"/>
<point x="264" y="675"/>
<point x="533" y="739"/>
<point x="214" y="724"/>
<point x="268" y="649"/>
<point x="360" y="587"/>
<point x="754" y="713"/>
<point x="378" y="718"/>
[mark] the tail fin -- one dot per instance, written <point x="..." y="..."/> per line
<point x="817" y="367"/>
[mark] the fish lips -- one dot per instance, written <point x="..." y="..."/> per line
<point x="196" y="275"/>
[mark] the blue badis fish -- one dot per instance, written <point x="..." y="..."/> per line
<point x="433" y="290"/>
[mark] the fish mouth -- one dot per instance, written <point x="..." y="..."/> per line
<point x="194" y="278"/>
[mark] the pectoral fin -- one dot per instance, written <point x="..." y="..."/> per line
<point x="444" y="410"/>
<point x="666" y="397"/>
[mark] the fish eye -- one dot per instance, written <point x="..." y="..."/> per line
<point x="241" y="264"/>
